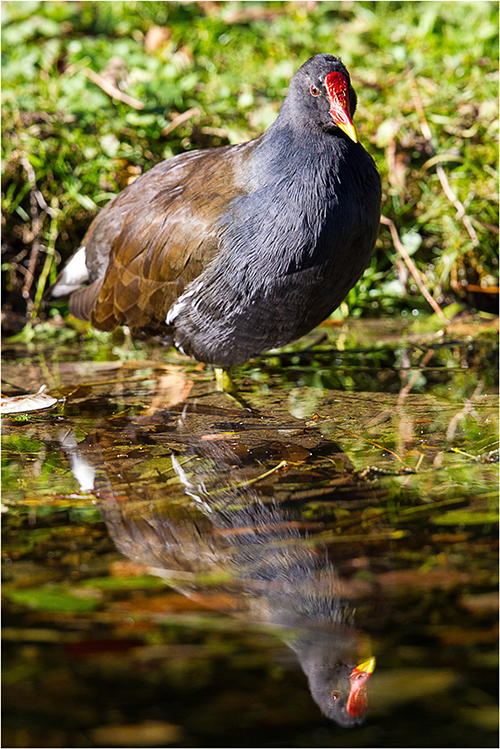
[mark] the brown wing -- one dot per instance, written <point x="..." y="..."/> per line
<point x="157" y="236"/>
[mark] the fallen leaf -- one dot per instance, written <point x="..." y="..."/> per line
<point x="25" y="403"/>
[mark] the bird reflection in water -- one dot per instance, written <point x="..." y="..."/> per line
<point x="270" y="572"/>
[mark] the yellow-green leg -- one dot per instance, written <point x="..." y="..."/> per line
<point x="225" y="384"/>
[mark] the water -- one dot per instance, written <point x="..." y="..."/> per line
<point x="181" y="572"/>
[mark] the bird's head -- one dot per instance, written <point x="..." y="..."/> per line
<point x="321" y="95"/>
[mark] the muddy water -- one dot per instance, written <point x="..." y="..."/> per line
<point x="317" y="571"/>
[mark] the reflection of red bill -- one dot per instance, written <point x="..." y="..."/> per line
<point x="358" y="699"/>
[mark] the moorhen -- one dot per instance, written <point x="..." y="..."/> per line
<point x="228" y="252"/>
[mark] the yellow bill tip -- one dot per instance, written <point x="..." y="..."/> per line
<point x="349" y="129"/>
<point x="367" y="667"/>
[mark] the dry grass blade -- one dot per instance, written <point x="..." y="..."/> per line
<point x="376" y="444"/>
<point x="412" y="267"/>
<point x="112" y="90"/>
<point x="281" y="464"/>
<point x="426" y="132"/>
<point x="458" y="205"/>
<point x="37" y="220"/>
<point x="179" y="120"/>
<point x="468" y="409"/>
<point x="413" y="379"/>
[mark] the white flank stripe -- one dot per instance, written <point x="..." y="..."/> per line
<point x="73" y="275"/>
<point x="180" y="303"/>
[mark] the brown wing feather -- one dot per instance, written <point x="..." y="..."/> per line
<point x="84" y="299"/>
<point x="157" y="236"/>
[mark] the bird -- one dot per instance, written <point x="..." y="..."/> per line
<point x="228" y="252"/>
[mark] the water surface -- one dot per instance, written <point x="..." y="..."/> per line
<point x="182" y="572"/>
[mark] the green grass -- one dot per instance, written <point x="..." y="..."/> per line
<point x="69" y="143"/>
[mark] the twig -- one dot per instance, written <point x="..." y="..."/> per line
<point x="412" y="267"/>
<point x="426" y="132"/>
<point x="179" y="119"/>
<point x="112" y="90"/>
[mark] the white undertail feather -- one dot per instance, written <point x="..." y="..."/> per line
<point x="73" y="275"/>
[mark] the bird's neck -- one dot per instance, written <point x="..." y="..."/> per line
<point x="287" y="153"/>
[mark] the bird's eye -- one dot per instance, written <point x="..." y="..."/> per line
<point x="335" y="695"/>
<point x="314" y="91"/>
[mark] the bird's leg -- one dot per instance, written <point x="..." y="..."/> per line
<point x="225" y="384"/>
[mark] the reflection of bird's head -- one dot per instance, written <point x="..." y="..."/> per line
<point x="340" y="691"/>
<point x="337" y="685"/>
